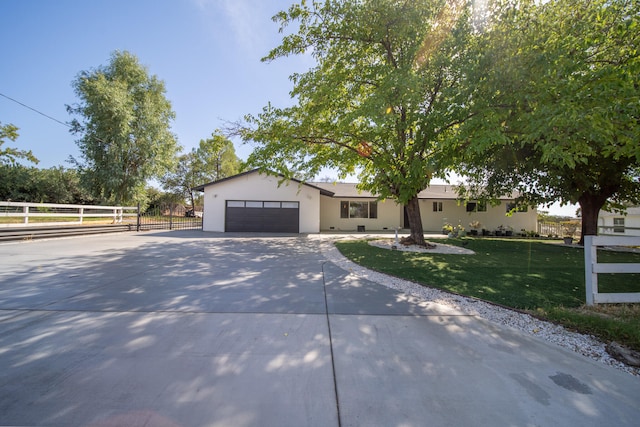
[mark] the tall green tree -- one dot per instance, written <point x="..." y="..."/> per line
<point x="217" y="157"/>
<point x="9" y="155"/>
<point x="383" y="98"/>
<point x="124" y="122"/>
<point x="214" y="158"/>
<point x="560" y="101"/>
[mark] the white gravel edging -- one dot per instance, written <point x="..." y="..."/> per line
<point x="586" y="345"/>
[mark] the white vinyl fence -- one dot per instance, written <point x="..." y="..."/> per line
<point x="20" y="214"/>
<point x="592" y="268"/>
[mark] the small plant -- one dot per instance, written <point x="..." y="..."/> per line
<point x="475" y="225"/>
<point x="447" y="228"/>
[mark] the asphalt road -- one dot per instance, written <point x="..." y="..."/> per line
<point x="204" y="329"/>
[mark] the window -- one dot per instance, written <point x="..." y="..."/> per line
<point x="344" y="209"/>
<point x="437" y="206"/>
<point x="358" y="209"/>
<point x="373" y="209"/>
<point x="476" y="206"/>
<point x="513" y="207"/>
<point x="618" y="225"/>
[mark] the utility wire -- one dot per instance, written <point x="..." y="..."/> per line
<point x="33" y="109"/>
<point x="46" y="115"/>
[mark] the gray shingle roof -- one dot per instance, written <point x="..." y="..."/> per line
<point x="349" y="190"/>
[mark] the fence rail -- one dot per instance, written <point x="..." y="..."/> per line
<point x="559" y="229"/>
<point x="34" y="219"/>
<point x="21" y="214"/>
<point x="169" y="217"/>
<point x="593" y="268"/>
<point x="618" y="230"/>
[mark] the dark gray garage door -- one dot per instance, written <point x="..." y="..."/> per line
<point x="262" y="216"/>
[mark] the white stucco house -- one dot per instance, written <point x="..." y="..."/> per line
<point x="617" y="224"/>
<point x="255" y="202"/>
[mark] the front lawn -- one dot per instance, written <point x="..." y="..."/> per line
<point x="540" y="277"/>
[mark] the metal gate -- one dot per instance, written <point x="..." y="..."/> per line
<point x="169" y="217"/>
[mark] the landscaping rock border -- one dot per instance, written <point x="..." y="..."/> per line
<point x="586" y="345"/>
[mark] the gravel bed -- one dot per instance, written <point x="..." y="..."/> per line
<point x="586" y="345"/>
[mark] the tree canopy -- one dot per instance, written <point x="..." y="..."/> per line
<point x="124" y="123"/>
<point x="558" y="94"/>
<point x="9" y="155"/>
<point x="382" y="99"/>
<point x="214" y="158"/>
<point x="29" y="184"/>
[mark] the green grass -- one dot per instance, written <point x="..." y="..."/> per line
<point x="540" y="277"/>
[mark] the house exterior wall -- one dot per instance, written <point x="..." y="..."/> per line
<point x="455" y="213"/>
<point x="256" y="186"/>
<point x="631" y="223"/>
<point x="389" y="215"/>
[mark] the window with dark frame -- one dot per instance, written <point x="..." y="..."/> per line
<point x="357" y="209"/>
<point x="344" y="209"/>
<point x="437" y="206"/>
<point x="618" y="225"/>
<point x="518" y="208"/>
<point x="476" y="206"/>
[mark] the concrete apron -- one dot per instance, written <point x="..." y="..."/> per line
<point x="200" y="329"/>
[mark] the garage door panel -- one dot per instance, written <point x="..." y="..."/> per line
<point x="253" y="219"/>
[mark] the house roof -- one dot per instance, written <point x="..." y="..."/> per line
<point x="349" y="190"/>
<point x="632" y="210"/>
<point x="322" y="190"/>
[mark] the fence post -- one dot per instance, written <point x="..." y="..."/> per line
<point x="26" y="214"/>
<point x="81" y="214"/>
<point x="591" y="279"/>
<point x="138" y="218"/>
<point x="171" y="216"/>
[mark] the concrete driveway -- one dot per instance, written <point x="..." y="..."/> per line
<point x="201" y="329"/>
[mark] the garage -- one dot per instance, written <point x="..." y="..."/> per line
<point x="255" y="202"/>
<point x="262" y="216"/>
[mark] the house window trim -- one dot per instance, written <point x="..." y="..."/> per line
<point x="518" y="208"/>
<point x="618" y="228"/>
<point x="476" y="206"/>
<point x="346" y="209"/>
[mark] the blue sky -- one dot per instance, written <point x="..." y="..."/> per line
<point x="206" y="51"/>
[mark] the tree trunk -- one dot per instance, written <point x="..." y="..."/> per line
<point x="193" y="202"/>
<point x="590" y="206"/>
<point x="415" y="221"/>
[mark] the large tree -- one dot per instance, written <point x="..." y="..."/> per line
<point x="9" y="155"/>
<point x="214" y="158"/>
<point x="383" y="98"/>
<point x="124" y="125"/>
<point x="560" y="98"/>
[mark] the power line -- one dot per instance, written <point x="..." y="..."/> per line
<point x="33" y="109"/>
